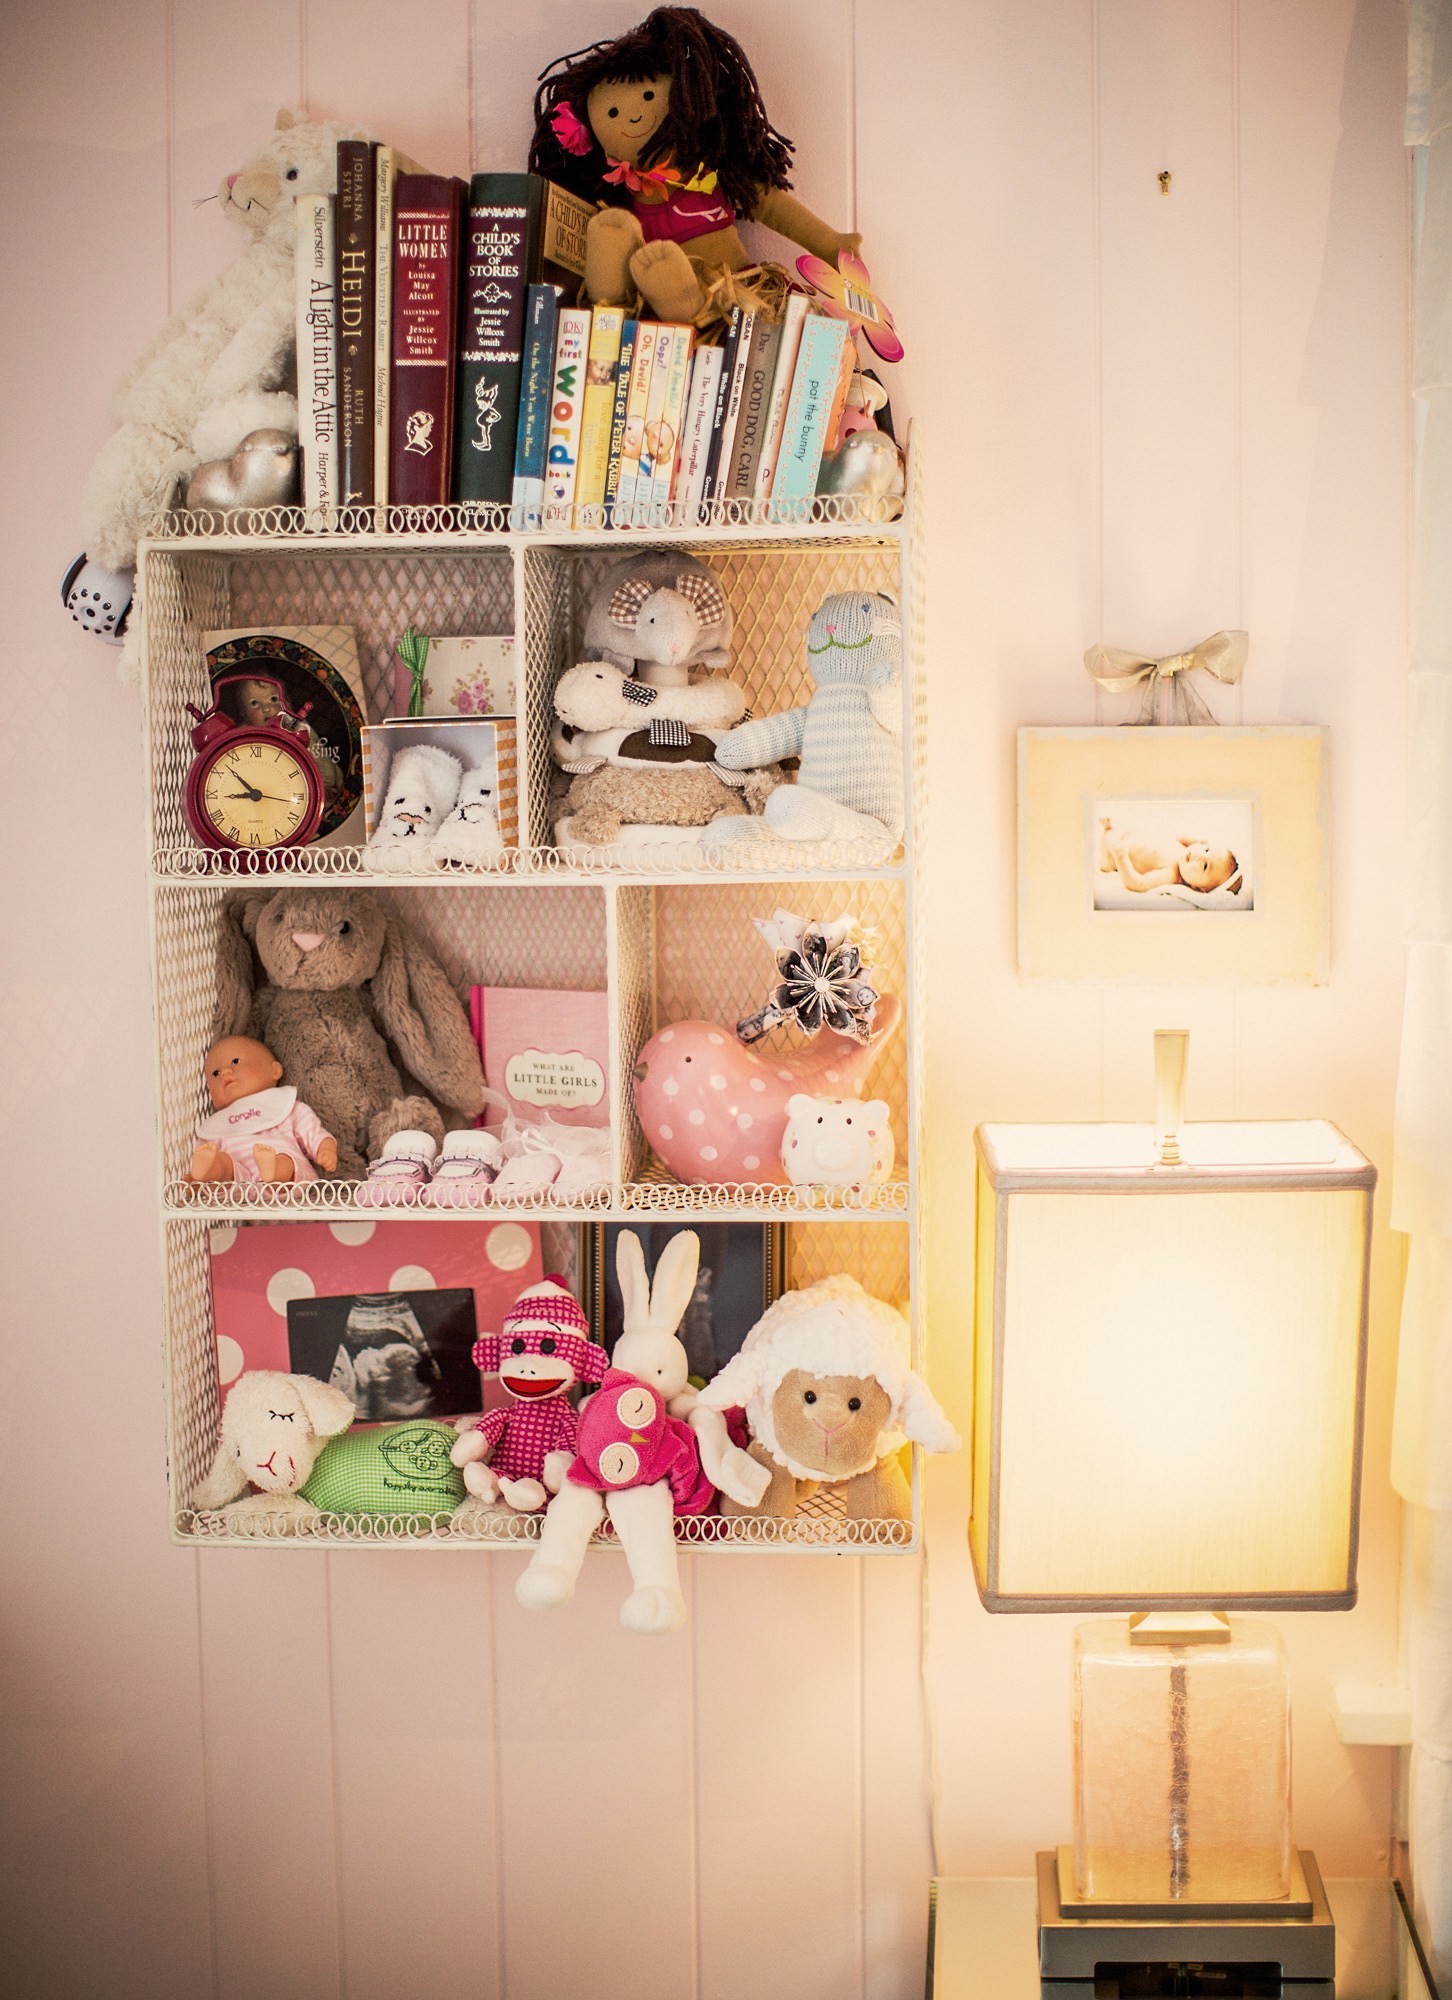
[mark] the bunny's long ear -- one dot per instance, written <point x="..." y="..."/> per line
<point x="421" y="1013"/>
<point x="327" y="1410"/>
<point x="224" y="1483"/>
<point x="634" y="1284"/>
<point x="233" y="1010"/>
<point x="675" y="1280"/>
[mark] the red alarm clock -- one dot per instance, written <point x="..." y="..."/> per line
<point x="254" y="784"/>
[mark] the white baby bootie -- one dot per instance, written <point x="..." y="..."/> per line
<point x="464" y="1170"/>
<point x="401" y="1171"/>
<point x="423" y="783"/>
<point x="471" y="832"/>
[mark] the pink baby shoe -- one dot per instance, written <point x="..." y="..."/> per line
<point x="464" y="1170"/>
<point x="401" y="1171"/>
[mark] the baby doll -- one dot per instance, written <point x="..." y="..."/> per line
<point x="1143" y="864"/>
<point x="258" y="1130"/>
<point x="539" y="1357"/>
<point x="666" y="126"/>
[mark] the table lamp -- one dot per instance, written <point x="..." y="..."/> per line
<point x="1169" y="1371"/>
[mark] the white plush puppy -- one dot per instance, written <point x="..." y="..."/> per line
<point x="423" y="783"/>
<point x="273" y="1428"/>
<point x="471" y="832"/>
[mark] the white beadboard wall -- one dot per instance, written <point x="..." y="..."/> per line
<point x="1144" y="417"/>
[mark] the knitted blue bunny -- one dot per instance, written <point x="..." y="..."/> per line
<point x="848" y="735"/>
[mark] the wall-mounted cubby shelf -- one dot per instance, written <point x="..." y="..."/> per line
<point x="666" y="941"/>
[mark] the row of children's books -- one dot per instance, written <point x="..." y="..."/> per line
<point x="631" y="423"/>
<point x="437" y="362"/>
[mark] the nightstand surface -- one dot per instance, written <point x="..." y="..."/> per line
<point x="983" y="1944"/>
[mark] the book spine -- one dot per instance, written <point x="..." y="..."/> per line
<point x="804" y="436"/>
<point x="706" y="371"/>
<point x="317" y="357"/>
<point x="754" y="397"/>
<point x="723" y="398"/>
<point x="623" y="368"/>
<point x="492" y="335"/>
<point x="541" y="315"/>
<point x="606" y="326"/>
<point x="666" y="456"/>
<point x="385" y="175"/>
<point x="655" y="395"/>
<point x="731" y="423"/>
<point x="642" y="368"/>
<point x="557" y="236"/>
<point x="425" y="320"/>
<point x="781" y="389"/>
<point x="567" y="396"/>
<point x="356" y="293"/>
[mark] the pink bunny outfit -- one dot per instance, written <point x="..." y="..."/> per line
<point x="275" y="1117"/>
<point x="626" y="1438"/>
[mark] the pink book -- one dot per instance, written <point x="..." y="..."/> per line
<point x="548" y="1054"/>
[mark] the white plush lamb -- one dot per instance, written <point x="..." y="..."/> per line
<point x="423" y="783"/>
<point x="471" y="832"/>
<point x="220" y="368"/>
<point x="646" y="1391"/>
<point x="273" y="1428"/>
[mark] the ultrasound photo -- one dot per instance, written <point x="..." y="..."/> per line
<point x="393" y="1354"/>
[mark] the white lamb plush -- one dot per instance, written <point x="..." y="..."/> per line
<point x="423" y="783"/>
<point x="223" y="365"/>
<point x="273" y="1428"/>
<point x="471" y="832"/>
<point x="598" y="708"/>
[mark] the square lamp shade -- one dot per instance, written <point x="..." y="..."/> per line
<point x="1169" y="1367"/>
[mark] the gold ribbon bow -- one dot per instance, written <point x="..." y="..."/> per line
<point x="1166" y="682"/>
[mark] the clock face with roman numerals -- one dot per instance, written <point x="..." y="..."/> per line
<point x="254" y="790"/>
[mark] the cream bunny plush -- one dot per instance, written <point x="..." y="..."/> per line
<point x="273" y="1428"/>
<point x="644" y="1452"/>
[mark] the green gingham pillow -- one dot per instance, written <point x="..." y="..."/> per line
<point x="394" y="1469"/>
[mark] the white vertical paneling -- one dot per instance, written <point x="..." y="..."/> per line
<point x="779" y="1758"/>
<point x="273" y="1843"/>
<point x="896" y="1773"/>
<point x="595" y="1780"/>
<point x="413" y="1753"/>
<point x="1168" y="313"/>
<point x="100" y="1719"/>
<point x="990" y="269"/>
<point x="1324" y="232"/>
<point x="401" y="73"/>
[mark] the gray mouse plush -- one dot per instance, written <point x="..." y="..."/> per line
<point x="657" y="616"/>
<point x="359" y="1013"/>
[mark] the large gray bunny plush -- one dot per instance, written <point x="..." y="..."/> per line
<point x="657" y="615"/>
<point x="359" y="1013"/>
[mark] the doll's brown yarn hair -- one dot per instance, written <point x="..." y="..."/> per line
<point x="716" y="120"/>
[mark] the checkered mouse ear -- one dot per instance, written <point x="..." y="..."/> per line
<point x="628" y="599"/>
<point x="488" y="1357"/>
<point x="704" y="593"/>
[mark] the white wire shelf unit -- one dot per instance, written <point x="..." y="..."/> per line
<point x="668" y="941"/>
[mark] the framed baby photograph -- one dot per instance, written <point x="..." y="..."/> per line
<point x="1183" y="855"/>
<point x="742" y="1270"/>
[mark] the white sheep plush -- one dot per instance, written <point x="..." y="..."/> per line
<point x="273" y="1428"/>
<point x="824" y="1380"/>
<point x="645" y="1393"/>
<point x="423" y="785"/>
<point x="221" y="367"/>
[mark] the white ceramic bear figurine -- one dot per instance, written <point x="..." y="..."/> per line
<point x="837" y="1142"/>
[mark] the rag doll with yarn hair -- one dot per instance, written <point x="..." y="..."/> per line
<point x="665" y="125"/>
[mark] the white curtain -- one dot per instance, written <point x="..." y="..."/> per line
<point x="1422" y="1185"/>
